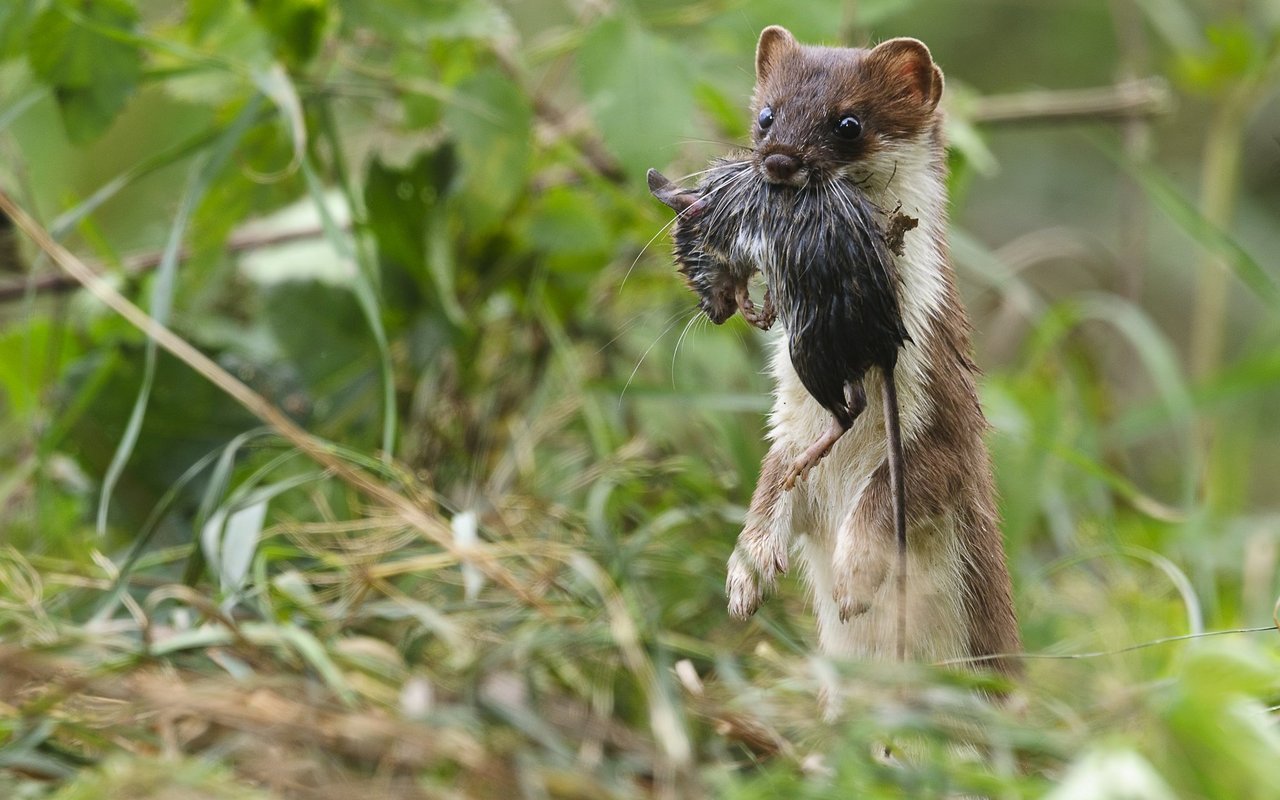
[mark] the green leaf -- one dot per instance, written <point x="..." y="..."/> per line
<point x="70" y="47"/>
<point x="297" y="26"/>
<point x="465" y="19"/>
<point x="87" y="113"/>
<point x="15" y="17"/>
<point x="1232" y="54"/>
<point x="492" y="124"/>
<point x="399" y="200"/>
<point x="409" y="219"/>
<point x="1112" y="775"/>
<point x="275" y="85"/>
<point x="239" y="542"/>
<point x="29" y="356"/>
<point x="417" y="22"/>
<point x="640" y="92"/>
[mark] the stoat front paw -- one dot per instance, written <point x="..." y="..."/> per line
<point x="742" y="588"/>
<point x="754" y="567"/>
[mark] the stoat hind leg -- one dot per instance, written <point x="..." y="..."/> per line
<point x="864" y="549"/>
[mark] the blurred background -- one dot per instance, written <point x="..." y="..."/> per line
<point x="419" y="229"/>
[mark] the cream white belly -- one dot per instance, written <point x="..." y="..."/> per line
<point x="816" y="516"/>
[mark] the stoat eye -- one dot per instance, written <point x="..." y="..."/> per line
<point x="765" y="119"/>
<point x="849" y="127"/>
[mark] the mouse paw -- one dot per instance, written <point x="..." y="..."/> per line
<point x="753" y="315"/>
<point x="769" y="314"/>
<point x="799" y="471"/>
<point x="754" y="318"/>
<point x="762" y="318"/>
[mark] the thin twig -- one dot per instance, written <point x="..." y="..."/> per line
<point x="592" y="149"/>
<point x="138" y="263"/>
<point x="316" y="449"/>
<point x="1099" y="653"/>
<point x="1124" y="101"/>
<point x="1135" y="134"/>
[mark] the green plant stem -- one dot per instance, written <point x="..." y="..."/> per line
<point x="1219" y="186"/>
<point x="1219" y="180"/>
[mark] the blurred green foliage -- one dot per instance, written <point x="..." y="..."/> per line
<point x="421" y="230"/>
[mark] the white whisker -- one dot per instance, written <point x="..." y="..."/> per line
<point x="674" y="318"/>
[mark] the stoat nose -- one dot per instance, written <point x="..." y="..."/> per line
<point x="781" y="167"/>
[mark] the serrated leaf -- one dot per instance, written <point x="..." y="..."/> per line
<point x="639" y="90"/>
<point x="491" y="121"/>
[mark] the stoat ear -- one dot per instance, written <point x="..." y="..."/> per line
<point x="774" y="41"/>
<point x="908" y="64"/>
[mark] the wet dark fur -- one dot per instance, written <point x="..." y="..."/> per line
<point x="827" y="263"/>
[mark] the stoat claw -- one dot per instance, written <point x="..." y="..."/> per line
<point x="847" y="605"/>
<point x="859" y="569"/>
<point x="742" y="588"/>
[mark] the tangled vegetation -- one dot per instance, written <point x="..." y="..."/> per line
<point x="362" y="441"/>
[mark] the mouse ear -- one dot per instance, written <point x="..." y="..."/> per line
<point x="907" y="63"/>
<point x="774" y="41"/>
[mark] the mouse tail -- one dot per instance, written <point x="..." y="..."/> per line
<point x="893" y="435"/>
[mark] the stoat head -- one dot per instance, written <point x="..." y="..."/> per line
<point x="830" y="112"/>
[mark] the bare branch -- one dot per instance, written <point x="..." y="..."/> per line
<point x="139" y="263"/>
<point x="1148" y="97"/>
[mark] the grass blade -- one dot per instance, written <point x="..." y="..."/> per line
<point x="203" y="172"/>
<point x="367" y="298"/>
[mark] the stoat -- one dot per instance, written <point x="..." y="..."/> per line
<point x="833" y="123"/>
